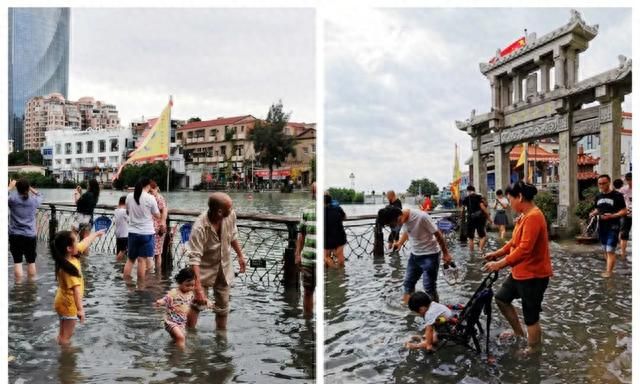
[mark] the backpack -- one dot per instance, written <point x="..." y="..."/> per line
<point x="465" y="325"/>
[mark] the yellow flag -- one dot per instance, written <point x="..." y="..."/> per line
<point x="457" y="177"/>
<point x="522" y="156"/>
<point x="155" y="145"/>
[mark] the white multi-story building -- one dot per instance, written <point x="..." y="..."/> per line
<point x="78" y="155"/>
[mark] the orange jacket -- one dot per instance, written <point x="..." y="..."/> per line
<point x="528" y="250"/>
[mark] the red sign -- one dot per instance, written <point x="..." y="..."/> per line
<point x="209" y="178"/>
<point x="277" y="173"/>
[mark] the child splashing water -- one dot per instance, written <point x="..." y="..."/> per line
<point x="433" y="312"/>
<point x="177" y="303"/>
<point x="68" y="300"/>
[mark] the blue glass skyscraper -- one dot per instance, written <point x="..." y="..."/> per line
<point x="38" y="60"/>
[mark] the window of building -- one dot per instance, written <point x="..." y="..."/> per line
<point x="179" y="136"/>
<point x="223" y="150"/>
<point x="102" y="146"/>
<point x="58" y="149"/>
<point x="89" y="146"/>
<point x="113" y="160"/>
<point x="242" y="128"/>
<point x="313" y="148"/>
<point x="67" y="148"/>
<point x="58" y="161"/>
<point x="79" y="147"/>
<point x="68" y="161"/>
<point x="115" y="147"/>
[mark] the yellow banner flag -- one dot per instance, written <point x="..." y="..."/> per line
<point x="155" y="145"/>
<point x="522" y="156"/>
<point x="457" y="177"/>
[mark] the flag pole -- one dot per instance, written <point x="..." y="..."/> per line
<point x="169" y="145"/>
<point x="526" y="161"/>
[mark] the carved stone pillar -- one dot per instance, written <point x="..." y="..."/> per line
<point x="559" y="61"/>
<point x="475" y="145"/>
<point x="544" y="77"/>
<point x="517" y="88"/>
<point x="481" y="186"/>
<point x="610" y="126"/>
<point x="568" y="185"/>
<point x="571" y="72"/>
<point x="501" y="167"/>
<point x="495" y="93"/>
<point x="504" y="92"/>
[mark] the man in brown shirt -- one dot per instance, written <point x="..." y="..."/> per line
<point x="213" y="235"/>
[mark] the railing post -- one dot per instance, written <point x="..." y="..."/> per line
<point x="53" y="226"/>
<point x="291" y="273"/>
<point x="378" y="240"/>
<point x="167" y="256"/>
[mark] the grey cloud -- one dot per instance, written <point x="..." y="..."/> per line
<point x="232" y="61"/>
<point x="391" y="119"/>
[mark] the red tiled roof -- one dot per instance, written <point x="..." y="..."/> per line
<point x="587" y="175"/>
<point x="534" y="153"/>
<point x="584" y="159"/>
<point x="214" y="122"/>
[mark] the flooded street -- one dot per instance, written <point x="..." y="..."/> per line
<point x="268" y="339"/>
<point x="586" y="322"/>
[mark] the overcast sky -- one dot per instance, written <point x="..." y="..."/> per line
<point x="215" y="62"/>
<point x="396" y="81"/>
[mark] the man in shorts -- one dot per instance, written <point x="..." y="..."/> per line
<point x="610" y="208"/>
<point x="213" y="235"/>
<point x="477" y="216"/>
<point x="306" y="252"/>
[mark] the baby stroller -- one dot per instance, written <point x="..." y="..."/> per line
<point x="465" y="325"/>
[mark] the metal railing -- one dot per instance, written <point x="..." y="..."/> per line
<point x="366" y="237"/>
<point x="268" y="241"/>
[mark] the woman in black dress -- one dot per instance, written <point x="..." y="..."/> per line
<point x="334" y="235"/>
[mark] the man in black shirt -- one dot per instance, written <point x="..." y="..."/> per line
<point x="394" y="235"/>
<point x="610" y="207"/>
<point x="477" y="216"/>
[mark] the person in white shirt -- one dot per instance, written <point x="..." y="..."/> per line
<point x="142" y="208"/>
<point x="433" y="313"/>
<point x="120" y="219"/>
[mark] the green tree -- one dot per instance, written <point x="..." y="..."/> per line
<point x="30" y="156"/>
<point x="155" y="171"/>
<point x="425" y="186"/>
<point x="271" y="143"/>
<point x="193" y="119"/>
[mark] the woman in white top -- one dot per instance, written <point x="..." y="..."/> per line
<point x="501" y="205"/>
<point x="142" y="208"/>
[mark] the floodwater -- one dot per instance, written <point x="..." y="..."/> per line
<point x="268" y="339"/>
<point x="287" y="204"/>
<point x="586" y="322"/>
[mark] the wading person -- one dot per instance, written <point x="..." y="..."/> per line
<point x="626" y="220"/>
<point x="213" y="235"/>
<point x="500" y="219"/>
<point x="68" y="299"/>
<point x="527" y="253"/>
<point x="394" y="233"/>
<point x="121" y="219"/>
<point x="159" y="224"/>
<point x="23" y="205"/>
<point x="477" y="216"/>
<point x="306" y="252"/>
<point x="334" y="235"/>
<point x="85" y="205"/>
<point x="427" y="244"/>
<point x="142" y="209"/>
<point x="610" y="208"/>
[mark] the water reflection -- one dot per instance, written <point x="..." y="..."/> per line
<point x="123" y="340"/>
<point x="586" y="324"/>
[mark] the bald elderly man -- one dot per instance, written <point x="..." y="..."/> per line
<point x="213" y="235"/>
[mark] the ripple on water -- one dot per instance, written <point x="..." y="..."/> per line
<point x="584" y="318"/>
<point x="123" y="339"/>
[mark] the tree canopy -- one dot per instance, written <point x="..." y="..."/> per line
<point x="424" y="186"/>
<point x="271" y="144"/>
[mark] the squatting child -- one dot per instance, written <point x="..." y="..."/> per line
<point x="121" y="220"/>
<point x="68" y="300"/>
<point x="177" y="303"/>
<point x="433" y="312"/>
